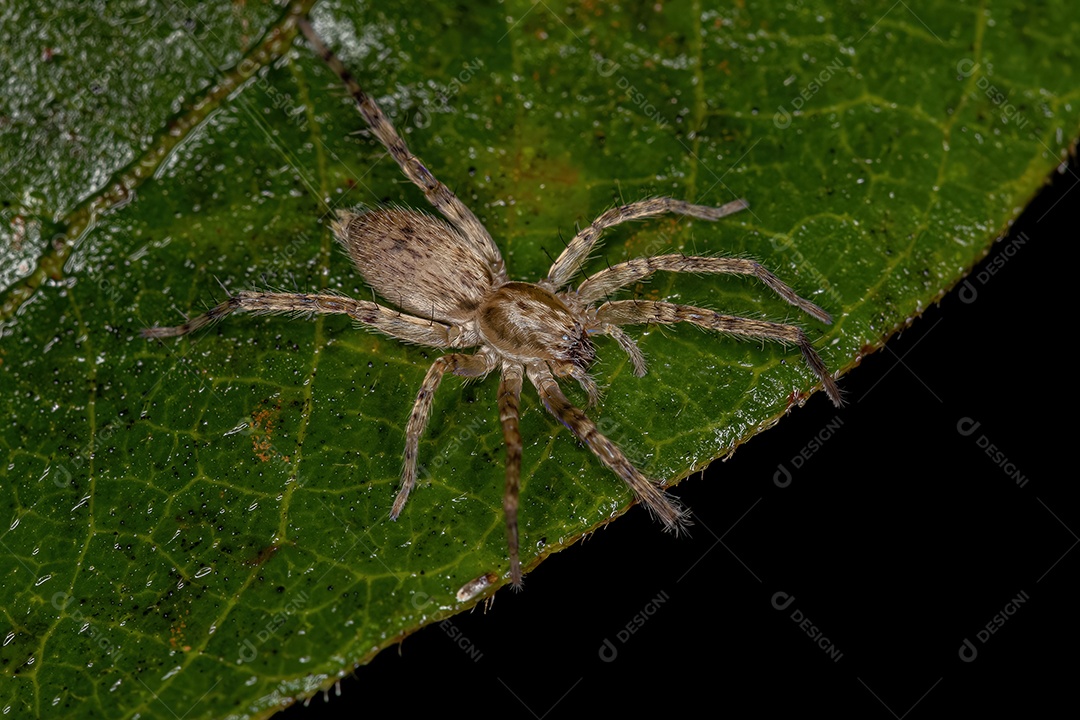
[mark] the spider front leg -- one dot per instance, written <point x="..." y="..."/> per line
<point x="391" y="322"/>
<point x="457" y="363"/>
<point x="608" y="281"/>
<point x="659" y="504"/>
<point x="509" y="415"/>
<point x="640" y="312"/>
<point x="569" y="262"/>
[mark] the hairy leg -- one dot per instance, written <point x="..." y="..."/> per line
<point x="637" y="359"/>
<point x="509" y="414"/>
<point x="375" y="316"/>
<point x="571" y="259"/>
<point x="440" y="196"/>
<point x="635" y="312"/>
<point x="659" y="504"/>
<point x="463" y="365"/>
<point x="607" y="281"/>
<point x="584" y="379"/>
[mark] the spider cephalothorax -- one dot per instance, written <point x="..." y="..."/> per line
<point x="449" y="282"/>
<point x="524" y="321"/>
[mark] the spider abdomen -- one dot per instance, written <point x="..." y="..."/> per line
<point x="525" y="322"/>
<point x="416" y="261"/>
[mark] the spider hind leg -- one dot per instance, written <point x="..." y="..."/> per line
<point x="509" y="415"/>
<point x="469" y="366"/>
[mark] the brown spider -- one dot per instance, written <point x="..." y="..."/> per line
<point x="451" y="280"/>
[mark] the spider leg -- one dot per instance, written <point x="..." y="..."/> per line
<point x="457" y="363"/>
<point x="633" y="312"/>
<point x="421" y="331"/>
<point x="607" y="281"/>
<point x="440" y="196"/>
<point x="569" y="262"/>
<point x="509" y="414"/>
<point x="584" y="379"/>
<point x="660" y="505"/>
<point x="637" y="359"/>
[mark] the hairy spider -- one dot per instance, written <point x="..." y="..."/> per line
<point x="450" y="283"/>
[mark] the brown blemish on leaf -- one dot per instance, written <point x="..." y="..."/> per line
<point x="263" y="423"/>
<point x="177" y="639"/>
<point x="546" y="170"/>
<point x="262" y="556"/>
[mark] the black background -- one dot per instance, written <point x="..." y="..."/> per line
<point x="899" y="538"/>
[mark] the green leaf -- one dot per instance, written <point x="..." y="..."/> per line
<point x="202" y="525"/>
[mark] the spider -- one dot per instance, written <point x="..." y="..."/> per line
<point x="450" y="283"/>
